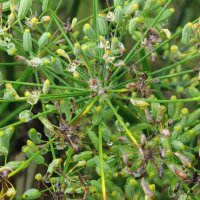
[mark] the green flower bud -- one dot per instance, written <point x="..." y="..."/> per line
<point x="193" y="92"/>
<point x="27" y="40"/>
<point x="77" y="49"/>
<point x="44" y="39"/>
<point x="38" y="177"/>
<point x="114" y="45"/>
<point x="118" y="14"/>
<point x="46" y="87"/>
<point x="11" y="19"/>
<point x="34" y="23"/>
<point x="57" y="65"/>
<point x="89" y="31"/>
<point x="102" y="25"/>
<point x="186" y="33"/>
<point x="130" y="9"/>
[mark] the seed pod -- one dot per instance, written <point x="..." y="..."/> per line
<point x="54" y="165"/>
<point x="186" y="33"/>
<point x="32" y="98"/>
<point x="114" y="45"/>
<point x="167" y="13"/>
<point x="45" y="19"/>
<point x="196" y="129"/>
<point x="89" y="50"/>
<point x="177" y="112"/>
<point x="193" y="117"/>
<point x="193" y="92"/>
<point x="35" y="136"/>
<point x="118" y="14"/>
<point x="130" y="187"/>
<point x="184" y="119"/>
<point x="166" y="143"/>
<point x="160" y="114"/>
<point x="46" y="87"/>
<point x="31" y="194"/>
<point x="77" y="49"/>
<point x="5" y="137"/>
<point x="139" y="103"/>
<point x="155" y="107"/>
<point x="27" y="40"/>
<point x="24" y="7"/>
<point x="102" y="25"/>
<point x="44" y="39"/>
<point x="62" y="53"/>
<point x="46" y="123"/>
<point x="86" y="155"/>
<point x="34" y="23"/>
<point x="187" y="136"/>
<point x="89" y="31"/>
<point x="57" y="65"/>
<point x="177" y="131"/>
<point x="11" y="19"/>
<point x="46" y="5"/>
<point x="25" y="116"/>
<point x="130" y="8"/>
<point x="132" y="26"/>
<point x="178" y="145"/>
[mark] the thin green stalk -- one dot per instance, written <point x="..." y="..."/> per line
<point x="95" y="15"/>
<point x="103" y="183"/>
<point x="174" y="65"/>
<point x="34" y="117"/>
<point x="85" y="109"/>
<point x="11" y="63"/>
<point x="194" y="99"/>
<point x="172" y="75"/>
<point x="128" y="132"/>
<point x="55" y="18"/>
<point x="12" y="115"/>
<point x="40" y="85"/>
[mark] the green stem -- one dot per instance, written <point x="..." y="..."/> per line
<point x="103" y="184"/>
<point x="34" y="117"/>
<point x="128" y="132"/>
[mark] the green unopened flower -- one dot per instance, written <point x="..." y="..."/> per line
<point x="46" y="86"/>
<point x="89" y="31"/>
<point x="27" y="40"/>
